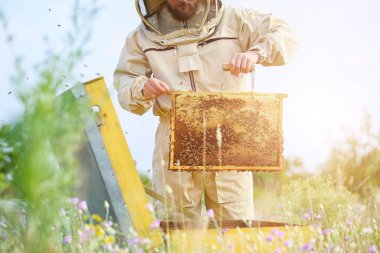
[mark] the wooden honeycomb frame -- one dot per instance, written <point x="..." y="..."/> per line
<point x="226" y="131"/>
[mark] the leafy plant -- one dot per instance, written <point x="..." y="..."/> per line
<point x="38" y="151"/>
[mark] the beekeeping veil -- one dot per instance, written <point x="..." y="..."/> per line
<point x="206" y="26"/>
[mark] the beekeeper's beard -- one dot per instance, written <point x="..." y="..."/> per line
<point x="183" y="10"/>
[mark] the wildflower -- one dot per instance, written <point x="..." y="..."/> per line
<point x="372" y="249"/>
<point x="278" y="233"/>
<point x="307" y="247"/>
<point x="155" y="224"/>
<point x="106" y="205"/>
<point x="367" y="230"/>
<point x="348" y="222"/>
<point x="326" y="231"/>
<point x="86" y="234"/>
<point x="150" y="207"/>
<point x="224" y="230"/>
<point x="210" y="213"/>
<point x="269" y="238"/>
<point x="288" y="243"/>
<point x="108" y="223"/>
<point x="67" y="239"/>
<point x="307" y="216"/>
<point x="134" y="241"/>
<point x="109" y="239"/>
<point x="74" y="201"/>
<point x="99" y="231"/>
<point x="82" y="205"/>
<point x="97" y="218"/>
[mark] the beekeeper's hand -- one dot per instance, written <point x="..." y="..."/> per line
<point x="153" y="88"/>
<point x="242" y="62"/>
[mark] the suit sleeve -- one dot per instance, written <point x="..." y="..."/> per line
<point x="130" y="75"/>
<point x="271" y="37"/>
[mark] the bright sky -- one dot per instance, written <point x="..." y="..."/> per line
<point x="331" y="83"/>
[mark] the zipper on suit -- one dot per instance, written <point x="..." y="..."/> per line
<point x="191" y="74"/>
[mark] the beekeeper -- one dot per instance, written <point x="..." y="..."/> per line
<point x="181" y="45"/>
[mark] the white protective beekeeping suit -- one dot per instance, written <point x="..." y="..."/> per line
<point x="191" y="58"/>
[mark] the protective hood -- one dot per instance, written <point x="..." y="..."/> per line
<point x="160" y="27"/>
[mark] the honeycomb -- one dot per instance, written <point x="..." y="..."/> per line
<point x="226" y="131"/>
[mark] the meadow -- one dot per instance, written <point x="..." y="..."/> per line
<point x="39" y="210"/>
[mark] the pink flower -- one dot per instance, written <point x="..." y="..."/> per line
<point x="67" y="239"/>
<point x="210" y="213"/>
<point x="155" y="224"/>
<point x="85" y="235"/>
<point x="278" y="233"/>
<point x="307" y="247"/>
<point x="82" y="205"/>
<point x="269" y="238"/>
<point x="288" y="243"/>
<point x="278" y="250"/>
<point x="372" y="249"/>
<point x="150" y="207"/>
<point x="134" y="241"/>
<point x="74" y="201"/>
<point x="108" y="223"/>
<point x="348" y="222"/>
<point x="326" y="231"/>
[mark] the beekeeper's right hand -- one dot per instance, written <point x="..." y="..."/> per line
<point x="153" y="88"/>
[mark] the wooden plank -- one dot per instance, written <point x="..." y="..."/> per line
<point x="123" y="165"/>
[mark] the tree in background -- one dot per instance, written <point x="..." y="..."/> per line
<point x="355" y="163"/>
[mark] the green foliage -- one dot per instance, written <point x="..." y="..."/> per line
<point x="315" y="200"/>
<point x="355" y="163"/>
<point x="37" y="153"/>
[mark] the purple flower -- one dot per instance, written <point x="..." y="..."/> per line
<point x="82" y="205"/>
<point x="108" y="223"/>
<point x="307" y="247"/>
<point x="326" y="231"/>
<point x="288" y="243"/>
<point x="134" y="241"/>
<point x="278" y="250"/>
<point x="372" y="249"/>
<point x="307" y="216"/>
<point x="67" y="239"/>
<point x="210" y="213"/>
<point x="155" y="224"/>
<point x="278" y="233"/>
<point x="269" y="238"/>
<point x="85" y="235"/>
<point x="348" y="222"/>
<point x="224" y="230"/>
<point x="150" y="207"/>
<point x="74" y="201"/>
